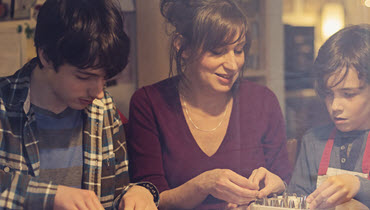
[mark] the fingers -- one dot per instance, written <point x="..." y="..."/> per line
<point x="93" y="202"/>
<point x="242" y="181"/>
<point x="329" y="194"/>
<point x="229" y="186"/>
<point x="73" y="198"/>
<point x="265" y="192"/>
<point x="235" y="198"/>
<point x="231" y="206"/>
<point x="316" y="193"/>
<point x="126" y="204"/>
<point x="274" y="185"/>
<point x="318" y="196"/>
<point x="315" y="199"/>
<point x="333" y="200"/>
<point x="272" y="182"/>
<point x="233" y="193"/>
<point x="243" y="189"/>
<point x="258" y="175"/>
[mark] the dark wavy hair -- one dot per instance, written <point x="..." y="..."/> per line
<point x="203" y="25"/>
<point x="83" y="33"/>
<point x="348" y="48"/>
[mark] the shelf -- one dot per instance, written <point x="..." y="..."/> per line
<point x="254" y="73"/>
<point x="303" y="93"/>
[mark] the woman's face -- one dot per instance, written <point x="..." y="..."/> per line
<point x="217" y="70"/>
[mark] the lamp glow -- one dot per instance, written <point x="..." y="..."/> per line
<point x="332" y="19"/>
<point x="367" y="3"/>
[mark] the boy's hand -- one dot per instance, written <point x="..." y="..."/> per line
<point x="272" y="182"/>
<point x="334" y="191"/>
<point x="73" y="198"/>
<point x="137" y="198"/>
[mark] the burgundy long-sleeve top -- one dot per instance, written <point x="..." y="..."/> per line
<point x="163" y="151"/>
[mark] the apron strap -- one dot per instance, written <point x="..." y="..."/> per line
<point x="325" y="158"/>
<point x="366" y="158"/>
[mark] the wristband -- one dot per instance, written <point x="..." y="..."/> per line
<point x="149" y="186"/>
<point x="152" y="189"/>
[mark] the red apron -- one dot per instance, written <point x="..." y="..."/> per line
<point x="325" y="159"/>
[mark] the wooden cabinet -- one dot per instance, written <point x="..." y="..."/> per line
<point x="15" y="47"/>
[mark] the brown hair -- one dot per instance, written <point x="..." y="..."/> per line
<point x="348" y="48"/>
<point x="83" y="33"/>
<point x="203" y="25"/>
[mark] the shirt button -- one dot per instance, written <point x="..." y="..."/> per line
<point x="6" y="169"/>
<point x="343" y="147"/>
<point x="343" y="160"/>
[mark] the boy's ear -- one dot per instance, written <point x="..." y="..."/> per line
<point x="179" y="41"/>
<point x="44" y="60"/>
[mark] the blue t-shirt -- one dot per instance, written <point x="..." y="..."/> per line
<point x="60" y="146"/>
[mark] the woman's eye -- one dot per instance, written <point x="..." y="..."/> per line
<point x="238" y="51"/>
<point x="82" y="78"/>
<point x="217" y="52"/>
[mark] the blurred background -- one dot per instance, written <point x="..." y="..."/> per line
<point x="286" y="37"/>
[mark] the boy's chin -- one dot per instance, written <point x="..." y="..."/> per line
<point x="78" y="106"/>
<point x="349" y="128"/>
<point x="344" y="128"/>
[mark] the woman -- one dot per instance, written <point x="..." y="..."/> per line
<point x="207" y="138"/>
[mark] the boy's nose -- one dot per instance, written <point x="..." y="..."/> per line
<point x="336" y="105"/>
<point x="97" y="89"/>
<point x="100" y="95"/>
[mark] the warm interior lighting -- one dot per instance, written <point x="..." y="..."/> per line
<point x="367" y="3"/>
<point x="332" y="19"/>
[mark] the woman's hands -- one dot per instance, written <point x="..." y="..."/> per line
<point x="272" y="183"/>
<point x="334" y="191"/>
<point x="223" y="184"/>
<point x="235" y="189"/>
<point x="227" y="185"/>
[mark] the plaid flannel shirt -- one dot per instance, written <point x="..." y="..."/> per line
<point x="105" y="163"/>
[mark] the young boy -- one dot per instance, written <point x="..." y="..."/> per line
<point x="334" y="161"/>
<point x="62" y="144"/>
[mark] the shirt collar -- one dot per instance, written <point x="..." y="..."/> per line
<point x="27" y="102"/>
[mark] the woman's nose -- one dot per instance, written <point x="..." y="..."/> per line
<point x="231" y="61"/>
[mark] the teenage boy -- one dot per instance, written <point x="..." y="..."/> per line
<point x="62" y="144"/>
<point x="334" y="161"/>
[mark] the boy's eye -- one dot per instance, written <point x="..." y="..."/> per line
<point x="349" y="95"/>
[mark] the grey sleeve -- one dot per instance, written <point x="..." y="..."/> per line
<point x="363" y="194"/>
<point x="304" y="177"/>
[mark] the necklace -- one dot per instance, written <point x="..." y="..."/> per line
<point x="195" y="126"/>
